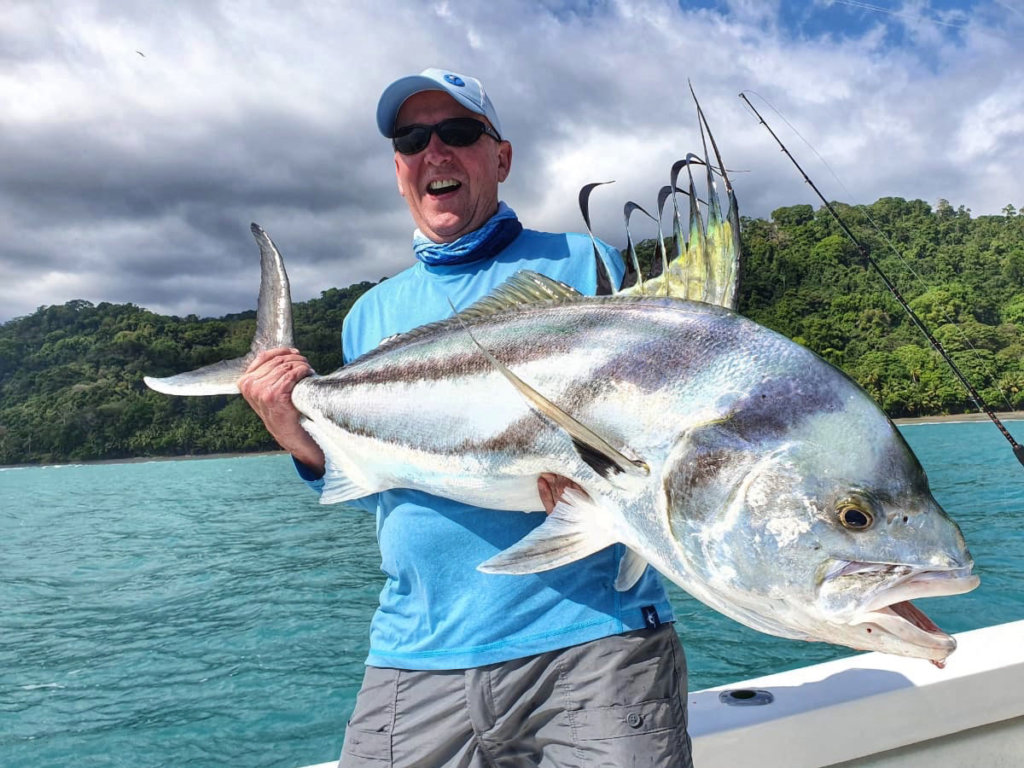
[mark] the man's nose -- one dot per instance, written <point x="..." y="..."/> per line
<point x="437" y="151"/>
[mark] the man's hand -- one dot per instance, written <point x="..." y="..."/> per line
<point x="551" y="486"/>
<point x="267" y="386"/>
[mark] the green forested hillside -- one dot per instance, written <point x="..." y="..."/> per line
<point x="71" y="376"/>
<point x="71" y="379"/>
<point x="963" y="277"/>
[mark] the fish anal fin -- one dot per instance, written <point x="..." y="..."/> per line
<point x="348" y="478"/>
<point x="568" y="534"/>
<point x="340" y="486"/>
<point x="631" y="568"/>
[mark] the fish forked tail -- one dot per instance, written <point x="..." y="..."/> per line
<point x="706" y="262"/>
<point x="273" y="329"/>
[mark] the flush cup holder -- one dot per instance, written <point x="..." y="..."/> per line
<point x="745" y="697"/>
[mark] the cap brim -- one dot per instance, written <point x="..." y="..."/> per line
<point x="394" y="97"/>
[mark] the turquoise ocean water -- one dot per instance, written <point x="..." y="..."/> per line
<point x="211" y="613"/>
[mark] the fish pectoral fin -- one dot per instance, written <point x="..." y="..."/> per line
<point x="216" y="379"/>
<point x="568" y="534"/>
<point x="631" y="568"/>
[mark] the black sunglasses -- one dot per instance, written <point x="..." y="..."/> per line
<point x="455" y="132"/>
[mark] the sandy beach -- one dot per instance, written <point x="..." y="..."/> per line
<point x="1003" y="416"/>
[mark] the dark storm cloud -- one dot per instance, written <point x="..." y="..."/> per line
<point x="137" y="142"/>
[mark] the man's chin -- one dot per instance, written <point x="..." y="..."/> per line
<point x="446" y="228"/>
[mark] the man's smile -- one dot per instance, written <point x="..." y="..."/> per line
<point x="442" y="186"/>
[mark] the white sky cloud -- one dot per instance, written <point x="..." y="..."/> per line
<point x="138" y="140"/>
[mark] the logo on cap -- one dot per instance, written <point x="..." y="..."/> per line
<point x="455" y="80"/>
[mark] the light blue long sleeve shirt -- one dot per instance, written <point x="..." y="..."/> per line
<point x="436" y="610"/>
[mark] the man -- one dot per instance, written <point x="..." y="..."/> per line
<point x="467" y="668"/>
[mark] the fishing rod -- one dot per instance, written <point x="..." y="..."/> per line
<point x="1018" y="450"/>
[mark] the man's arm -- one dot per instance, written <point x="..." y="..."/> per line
<point x="267" y="386"/>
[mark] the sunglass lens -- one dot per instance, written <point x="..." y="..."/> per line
<point x="459" y="132"/>
<point x="412" y="139"/>
<point x="455" y="132"/>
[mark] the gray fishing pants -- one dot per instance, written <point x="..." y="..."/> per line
<point x="619" y="701"/>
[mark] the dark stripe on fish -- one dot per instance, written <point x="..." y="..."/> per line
<point x="780" y="403"/>
<point x="440" y="359"/>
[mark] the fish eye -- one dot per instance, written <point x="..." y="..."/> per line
<point x="855" y="518"/>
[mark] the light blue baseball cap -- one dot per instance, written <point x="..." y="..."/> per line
<point x="466" y="90"/>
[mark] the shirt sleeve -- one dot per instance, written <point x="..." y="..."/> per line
<point x="350" y="343"/>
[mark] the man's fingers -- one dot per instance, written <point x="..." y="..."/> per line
<point x="271" y="357"/>
<point x="267" y="385"/>
<point x="282" y="372"/>
<point x="271" y="368"/>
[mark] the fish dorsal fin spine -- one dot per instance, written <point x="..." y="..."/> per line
<point x="706" y="263"/>
<point x="522" y="289"/>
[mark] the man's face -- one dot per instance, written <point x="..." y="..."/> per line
<point x="450" y="190"/>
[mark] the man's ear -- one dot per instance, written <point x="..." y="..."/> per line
<point x="398" y="178"/>
<point x="504" y="160"/>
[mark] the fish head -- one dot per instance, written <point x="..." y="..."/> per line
<point x="824" y="530"/>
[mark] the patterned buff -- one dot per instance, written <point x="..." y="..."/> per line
<point x="487" y="241"/>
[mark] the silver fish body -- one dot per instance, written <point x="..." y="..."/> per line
<point x="754" y="448"/>
<point x="746" y="469"/>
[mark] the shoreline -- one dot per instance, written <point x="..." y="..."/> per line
<point x="145" y="459"/>
<point x="946" y="419"/>
<point x="960" y="417"/>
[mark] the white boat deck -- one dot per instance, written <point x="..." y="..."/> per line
<point x="872" y="711"/>
<point x="876" y="710"/>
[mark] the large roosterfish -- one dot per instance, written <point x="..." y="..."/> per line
<point x="743" y="467"/>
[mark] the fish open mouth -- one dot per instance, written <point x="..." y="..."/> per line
<point x="908" y="623"/>
<point x="889" y="609"/>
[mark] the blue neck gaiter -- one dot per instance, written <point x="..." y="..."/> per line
<point x="483" y="243"/>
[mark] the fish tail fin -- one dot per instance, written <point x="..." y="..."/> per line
<point x="273" y="329"/>
<point x="217" y="379"/>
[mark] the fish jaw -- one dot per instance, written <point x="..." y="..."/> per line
<point x="759" y="524"/>
<point x="884" y="618"/>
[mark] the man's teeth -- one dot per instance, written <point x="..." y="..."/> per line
<point x="442" y="185"/>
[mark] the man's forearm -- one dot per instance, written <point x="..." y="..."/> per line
<point x="305" y="450"/>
